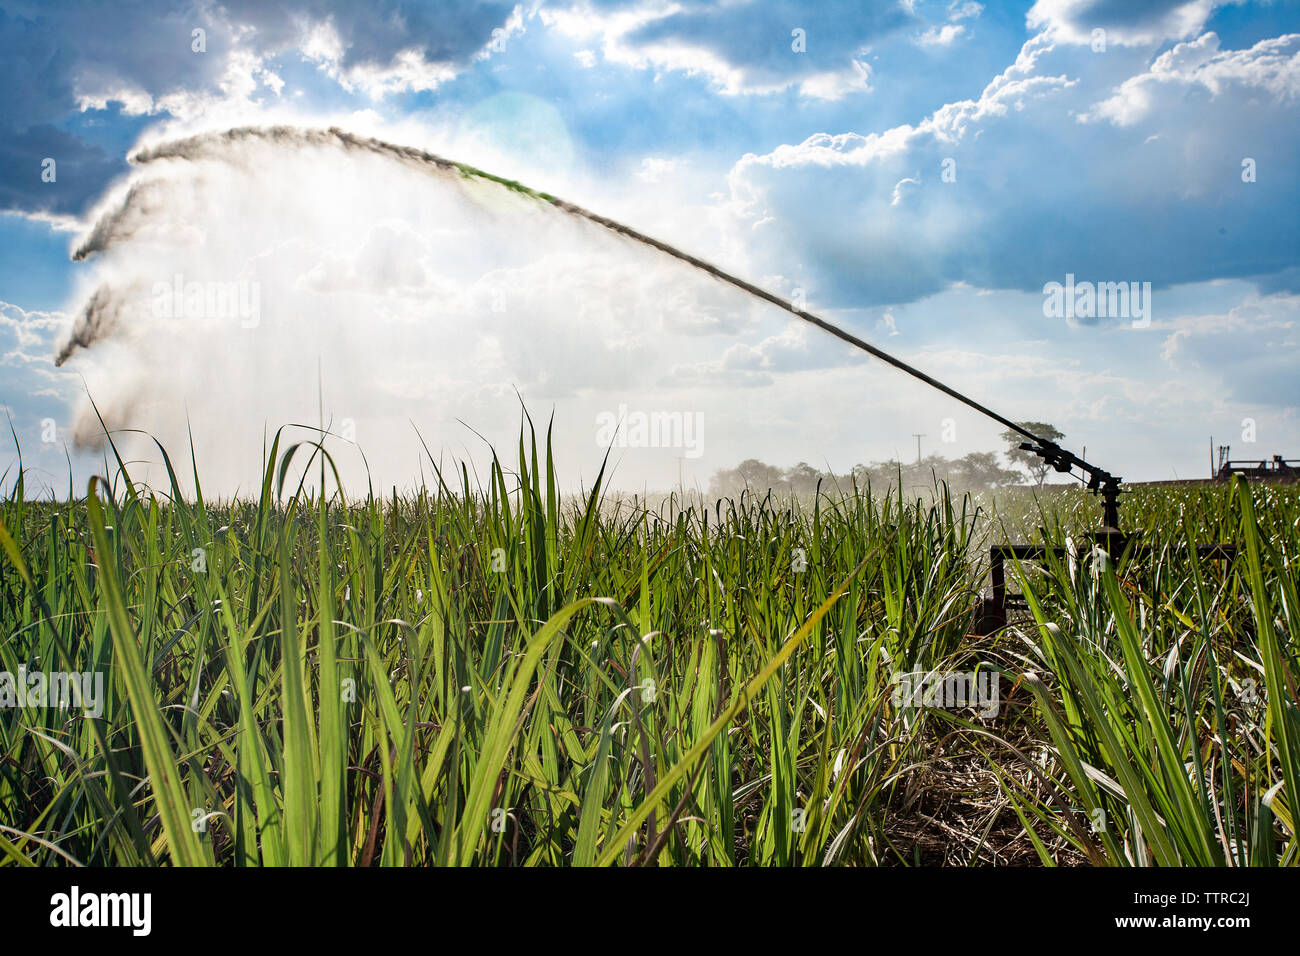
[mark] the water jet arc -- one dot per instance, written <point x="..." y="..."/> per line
<point x="1098" y="480"/>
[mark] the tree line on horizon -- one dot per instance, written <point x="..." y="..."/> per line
<point x="978" y="470"/>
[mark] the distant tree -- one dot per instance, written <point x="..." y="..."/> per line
<point x="1031" y="462"/>
<point x="981" y="469"/>
<point x="750" y="473"/>
<point x="803" y="478"/>
<point x="879" y="474"/>
<point x="761" y="477"/>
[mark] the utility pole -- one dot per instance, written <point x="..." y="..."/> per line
<point x="918" y="446"/>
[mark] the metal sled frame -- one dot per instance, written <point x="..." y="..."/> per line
<point x="991" y="615"/>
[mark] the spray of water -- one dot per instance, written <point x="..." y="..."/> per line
<point x="209" y="144"/>
<point x="388" y="288"/>
<point x="408" y="294"/>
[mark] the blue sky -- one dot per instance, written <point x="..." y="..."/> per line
<point x="916" y="170"/>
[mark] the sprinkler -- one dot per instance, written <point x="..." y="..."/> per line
<point x="990" y="615"/>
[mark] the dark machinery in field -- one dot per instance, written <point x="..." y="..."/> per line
<point x="992" y="611"/>
<point x="1276" y="469"/>
<point x="991" y="614"/>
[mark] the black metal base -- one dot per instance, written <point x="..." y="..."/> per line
<point x="991" y="613"/>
